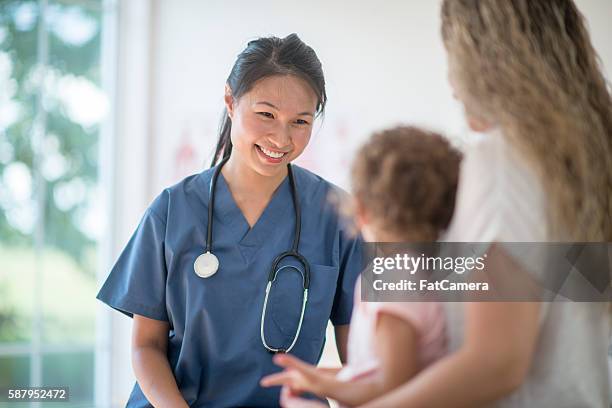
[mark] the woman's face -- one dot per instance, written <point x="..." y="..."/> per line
<point x="272" y="123"/>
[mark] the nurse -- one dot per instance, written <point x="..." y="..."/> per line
<point x="206" y="341"/>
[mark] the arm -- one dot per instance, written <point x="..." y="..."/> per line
<point x="341" y="332"/>
<point x="396" y="344"/>
<point x="150" y="362"/>
<point x="396" y="348"/>
<point x="492" y="362"/>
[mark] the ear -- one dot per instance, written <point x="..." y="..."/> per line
<point x="477" y="124"/>
<point x="364" y="222"/>
<point x="229" y="101"/>
<point x="361" y="215"/>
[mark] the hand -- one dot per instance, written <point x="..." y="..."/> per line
<point x="298" y="376"/>
<point x="290" y="400"/>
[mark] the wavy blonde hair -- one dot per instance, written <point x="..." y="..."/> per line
<point x="529" y="67"/>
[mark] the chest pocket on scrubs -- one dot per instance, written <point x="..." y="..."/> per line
<point x="286" y="303"/>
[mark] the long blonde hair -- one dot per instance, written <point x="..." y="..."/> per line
<point x="529" y="66"/>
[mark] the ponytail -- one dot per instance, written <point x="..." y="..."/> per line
<point x="224" y="144"/>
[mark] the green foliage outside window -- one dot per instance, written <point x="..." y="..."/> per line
<point x="57" y="173"/>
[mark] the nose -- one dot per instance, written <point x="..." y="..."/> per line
<point x="281" y="137"/>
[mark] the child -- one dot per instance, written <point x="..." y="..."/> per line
<point x="404" y="182"/>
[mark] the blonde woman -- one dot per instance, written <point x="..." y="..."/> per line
<point x="530" y="80"/>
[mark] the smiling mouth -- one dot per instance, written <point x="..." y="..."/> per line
<point x="270" y="153"/>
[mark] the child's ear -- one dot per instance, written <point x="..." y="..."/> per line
<point x="228" y="98"/>
<point x="363" y="220"/>
<point x="361" y="217"/>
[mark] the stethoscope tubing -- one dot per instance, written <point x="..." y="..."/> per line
<point x="211" y="203"/>
<point x="293" y="252"/>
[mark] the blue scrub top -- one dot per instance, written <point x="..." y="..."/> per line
<point x="214" y="345"/>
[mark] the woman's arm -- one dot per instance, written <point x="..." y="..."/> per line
<point x="341" y="333"/>
<point x="498" y="348"/>
<point x="150" y="362"/>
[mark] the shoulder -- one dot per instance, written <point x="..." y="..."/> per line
<point x="193" y="187"/>
<point x="326" y="202"/>
<point x="315" y="187"/>
<point x="500" y="196"/>
<point x="493" y="160"/>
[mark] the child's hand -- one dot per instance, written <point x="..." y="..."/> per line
<point x="290" y="400"/>
<point x="298" y="376"/>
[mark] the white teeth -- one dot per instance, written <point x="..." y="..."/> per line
<point x="270" y="153"/>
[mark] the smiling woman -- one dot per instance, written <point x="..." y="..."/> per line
<point x="204" y="333"/>
<point x="269" y="131"/>
<point x="274" y="122"/>
<point x="251" y="68"/>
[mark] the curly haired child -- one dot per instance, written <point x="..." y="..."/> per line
<point x="404" y="182"/>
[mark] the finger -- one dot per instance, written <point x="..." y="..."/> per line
<point x="289" y="391"/>
<point x="286" y="392"/>
<point x="288" y="399"/>
<point x="273" y="380"/>
<point x="288" y="361"/>
<point x="286" y="396"/>
<point x="297" y="402"/>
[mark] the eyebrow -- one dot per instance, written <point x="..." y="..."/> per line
<point x="274" y="107"/>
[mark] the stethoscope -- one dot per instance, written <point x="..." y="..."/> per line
<point x="207" y="264"/>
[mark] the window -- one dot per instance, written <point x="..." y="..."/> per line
<point x="53" y="62"/>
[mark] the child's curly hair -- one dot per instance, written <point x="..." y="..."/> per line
<point x="406" y="179"/>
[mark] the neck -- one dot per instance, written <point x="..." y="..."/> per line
<point x="244" y="181"/>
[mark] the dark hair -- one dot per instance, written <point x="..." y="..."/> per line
<point x="407" y="180"/>
<point x="265" y="57"/>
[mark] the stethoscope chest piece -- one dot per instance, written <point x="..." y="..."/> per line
<point x="206" y="265"/>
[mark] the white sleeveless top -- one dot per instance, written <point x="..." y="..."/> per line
<point x="501" y="199"/>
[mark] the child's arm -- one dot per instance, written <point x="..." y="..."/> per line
<point x="396" y="349"/>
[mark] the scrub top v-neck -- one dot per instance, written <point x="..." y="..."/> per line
<point x="214" y="347"/>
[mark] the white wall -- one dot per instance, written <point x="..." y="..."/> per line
<point x="384" y="64"/>
<point x="126" y="162"/>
